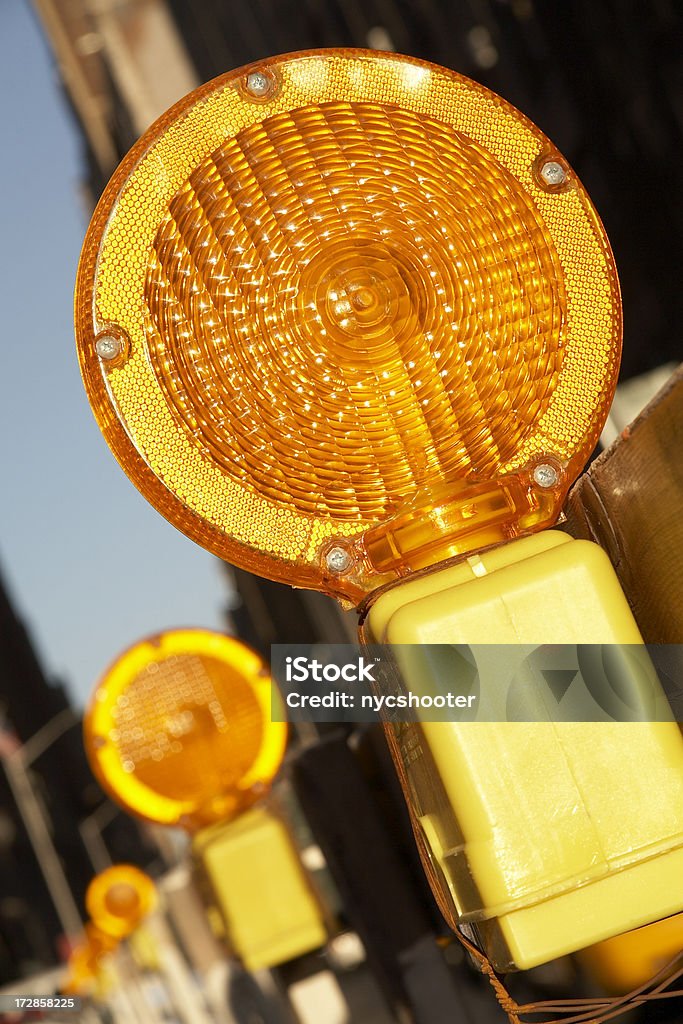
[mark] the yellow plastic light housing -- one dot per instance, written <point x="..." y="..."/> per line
<point x="344" y="314"/>
<point x="543" y="836"/>
<point x="179" y="729"/>
<point x="117" y="900"/>
<point x="257" y="883"/>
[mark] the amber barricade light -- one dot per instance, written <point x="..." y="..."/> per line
<point x="179" y="728"/>
<point x="86" y="961"/>
<point x="180" y="731"/>
<point x="343" y="314"/>
<point x="118" y="899"/>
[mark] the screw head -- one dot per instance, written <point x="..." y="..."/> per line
<point x="545" y="475"/>
<point x="259" y="84"/>
<point x="553" y="173"/>
<point x="108" y="346"/>
<point x="338" y="559"/>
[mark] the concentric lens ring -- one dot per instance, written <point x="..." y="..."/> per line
<point x="188" y="708"/>
<point x="179" y="729"/>
<point x="320" y="405"/>
<point x="350" y="312"/>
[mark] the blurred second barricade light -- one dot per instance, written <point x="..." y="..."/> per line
<point x="119" y="898"/>
<point x="179" y="731"/>
<point x="179" y="728"/>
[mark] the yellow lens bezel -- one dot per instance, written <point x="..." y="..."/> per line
<point x="98" y="724"/>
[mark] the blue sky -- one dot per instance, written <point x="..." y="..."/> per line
<point x="90" y="565"/>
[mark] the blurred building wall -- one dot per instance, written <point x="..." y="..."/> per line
<point x="67" y="793"/>
<point x="122" y="64"/>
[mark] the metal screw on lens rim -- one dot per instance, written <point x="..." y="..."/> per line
<point x="259" y="84"/>
<point x="109" y="347"/>
<point x="545" y="475"/>
<point x="552" y="173"/>
<point x="338" y="560"/>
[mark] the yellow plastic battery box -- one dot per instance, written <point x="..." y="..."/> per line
<point x="543" y="837"/>
<point x="260" y="889"/>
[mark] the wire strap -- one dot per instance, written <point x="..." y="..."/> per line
<point x="580" y="1011"/>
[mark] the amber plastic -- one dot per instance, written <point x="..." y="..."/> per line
<point x="179" y="728"/>
<point x="348" y="314"/>
<point x="86" y="961"/>
<point x="628" y="961"/>
<point x="117" y="900"/>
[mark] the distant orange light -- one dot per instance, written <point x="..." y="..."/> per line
<point x="179" y="729"/>
<point x="117" y="900"/>
<point x="345" y="314"/>
<point x="86" y="960"/>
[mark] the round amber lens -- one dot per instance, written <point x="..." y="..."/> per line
<point x="369" y="306"/>
<point x="117" y="900"/>
<point x="122" y="900"/>
<point x="358" y="324"/>
<point x="179" y="728"/>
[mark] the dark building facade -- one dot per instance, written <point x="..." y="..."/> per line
<point x="64" y="789"/>
<point x="602" y="78"/>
